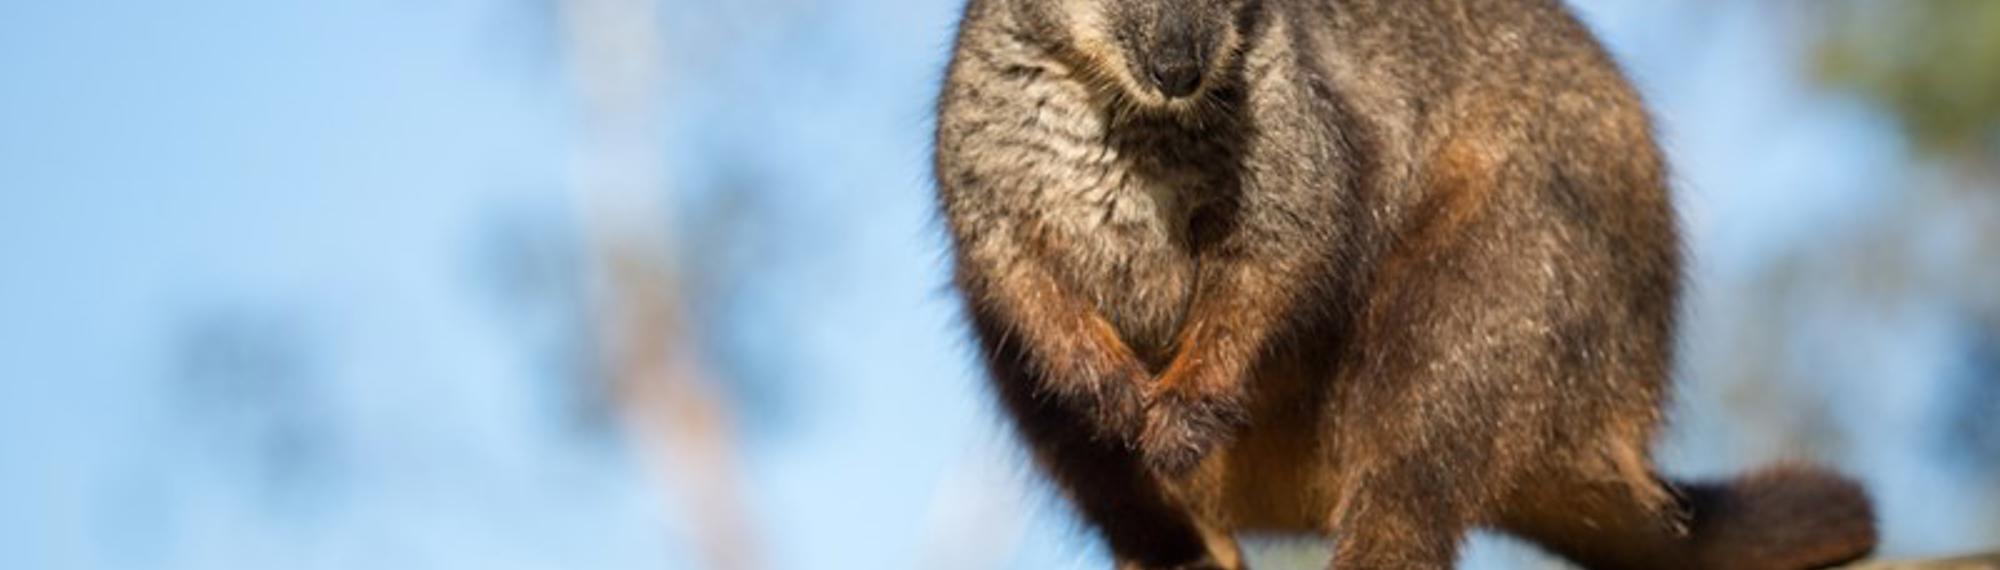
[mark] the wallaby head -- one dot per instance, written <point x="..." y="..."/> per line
<point x="1157" y="55"/>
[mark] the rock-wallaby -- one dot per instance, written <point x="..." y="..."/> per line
<point x="1387" y="270"/>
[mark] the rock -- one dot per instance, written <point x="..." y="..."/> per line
<point x="1987" y="562"/>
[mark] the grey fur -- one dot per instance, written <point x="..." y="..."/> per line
<point x="1394" y="269"/>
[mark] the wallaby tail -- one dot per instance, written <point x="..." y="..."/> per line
<point x="1786" y="517"/>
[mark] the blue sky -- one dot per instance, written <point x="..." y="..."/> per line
<point x="329" y="170"/>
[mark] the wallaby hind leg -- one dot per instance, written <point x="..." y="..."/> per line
<point x="1105" y="480"/>
<point x="1788" y="517"/>
<point x="1603" y="524"/>
<point x="1114" y="492"/>
<point x="1403" y="519"/>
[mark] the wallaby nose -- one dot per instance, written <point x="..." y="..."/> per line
<point x="1176" y="77"/>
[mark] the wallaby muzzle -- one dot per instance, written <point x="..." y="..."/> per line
<point x="1178" y="58"/>
<point x="1170" y="45"/>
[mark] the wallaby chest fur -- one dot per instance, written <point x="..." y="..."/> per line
<point x="1112" y="201"/>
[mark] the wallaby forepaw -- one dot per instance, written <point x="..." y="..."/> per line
<point x="1120" y="408"/>
<point x="1181" y="429"/>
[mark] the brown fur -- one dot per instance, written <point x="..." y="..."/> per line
<point x="1395" y="269"/>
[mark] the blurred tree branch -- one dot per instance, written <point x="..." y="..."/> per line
<point x="1990" y="562"/>
<point x="614" y="53"/>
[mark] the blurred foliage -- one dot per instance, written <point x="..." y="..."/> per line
<point x="1971" y="432"/>
<point x="1935" y="64"/>
<point x="248" y="379"/>
<point x="530" y="265"/>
